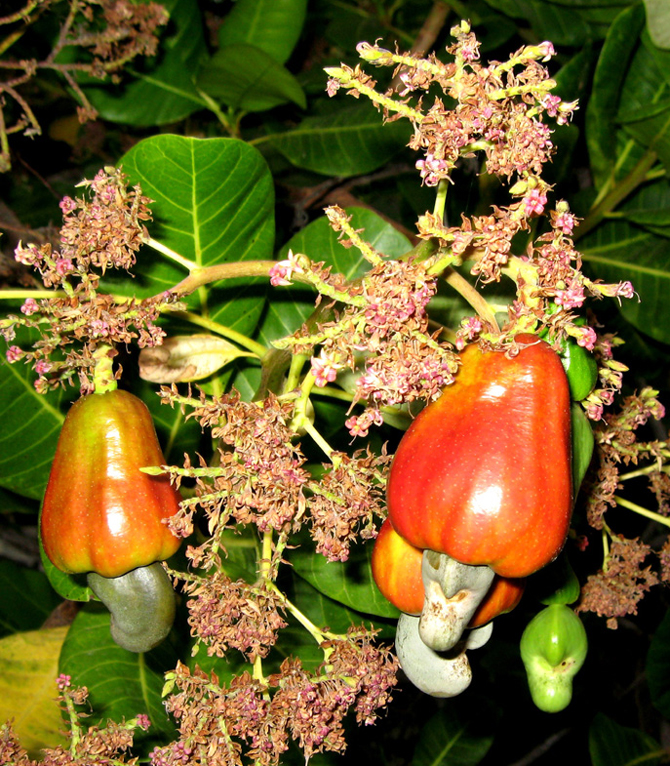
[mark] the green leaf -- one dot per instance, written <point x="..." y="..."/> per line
<point x="30" y="428"/>
<point x="247" y="78"/>
<point x="560" y="25"/>
<point x="121" y="684"/>
<point x="70" y="587"/>
<point x="608" y="79"/>
<point x="650" y="125"/>
<point x="590" y="3"/>
<point x="164" y="90"/>
<point x="617" y="251"/>
<point x="290" y="306"/>
<point x="27" y="689"/>
<point x="324" y="611"/>
<point x="658" y="22"/>
<point x="274" y="26"/>
<point x="460" y="734"/>
<point x="214" y="204"/>
<point x="658" y="217"/>
<point x="348" y="583"/>
<point x="658" y="667"/>
<point x="348" y="142"/>
<point x="27" y="598"/>
<point x="613" y="745"/>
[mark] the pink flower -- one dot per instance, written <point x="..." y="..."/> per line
<point x="282" y="271"/>
<point x="432" y="169"/>
<point x="546" y="50"/>
<point x="625" y="290"/>
<point x="63" y="681"/>
<point x="14" y="353"/>
<point x="28" y="256"/>
<point x="29" y="307"/>
<point x="565" y="222"/>
<point x="143" y="721"/>
<point x="332" y="87"/>
<point x="587" y="338"/>
<point x="551" y="104"/>
<point x="64" y="266"/>
<point x="324" y="370"/>
<point x="67" y="205"/>
<point x="534" y="202"/>
<point x="594" y="411"/>
<point x="572" y="298"/>
<point x="42" y="367"/>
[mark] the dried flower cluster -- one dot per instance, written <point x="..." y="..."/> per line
<point x="110" y="33"/>
<point x="221" y="725"/>
<point x="90" y="746"/>
<point x="381" y="333"/>
<point x="99" y="233"/>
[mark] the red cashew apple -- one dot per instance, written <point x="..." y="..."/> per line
<point x="483" y="474"/>
<point x="101" y="513"/>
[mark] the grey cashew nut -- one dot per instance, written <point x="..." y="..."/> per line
<point x="440" y="675"/>
<point x="453" y="591"/>
<point x="142" y="604"/>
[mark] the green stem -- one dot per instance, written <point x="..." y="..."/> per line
<point x="75" y="730"/>
<point x="200" y="276"/>
<point x="607" y="201"/>
<point x="171" y="254"/>
<point x="317" y="634"/>
<point x="293" y="377"/>
<point x="8" y="295"/>
<point x="103" y="373"/>
<point x="642" y="511"/>
<point x="441" y="199"/>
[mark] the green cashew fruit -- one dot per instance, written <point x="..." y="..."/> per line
<point x="142" y="604"/>
<point x="583" y="443"/>
<point x="581" y="369"/>
<point x="553" y="649"/>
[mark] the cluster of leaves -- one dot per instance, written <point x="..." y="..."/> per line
<point x="268" y="654"/>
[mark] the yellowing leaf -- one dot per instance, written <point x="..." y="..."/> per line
<point x="187" y="357"/>
<point x="28" y="691"/>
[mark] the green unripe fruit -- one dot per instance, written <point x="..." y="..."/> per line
<point x="583" y="443"/>
<point x="142" y="604"/>
<point x="553" y="649"/>
<point x="581" y="369"/>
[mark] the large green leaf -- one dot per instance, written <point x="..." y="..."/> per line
<point x="650" y="126"/>
<point x="658" y="21"/>
<point x="350" y="141"/>
<point x="348" y="583"/>
<point x="27" y="598"/>
<point x="617" y="251"/>
<point x="121" y="684"/>
<point x="560" y="25"/>
<point x="658" y="667"/>
<point x="458" y="735"/>
<point x="601" y="135"/>
<point x="30" y="426"/>
<point x="247" y="78"/>
<point x="613" y="745"/>
<point x="213" y="204"/>
<point x="164" y="90"/>
<point x="274" y="26"/>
